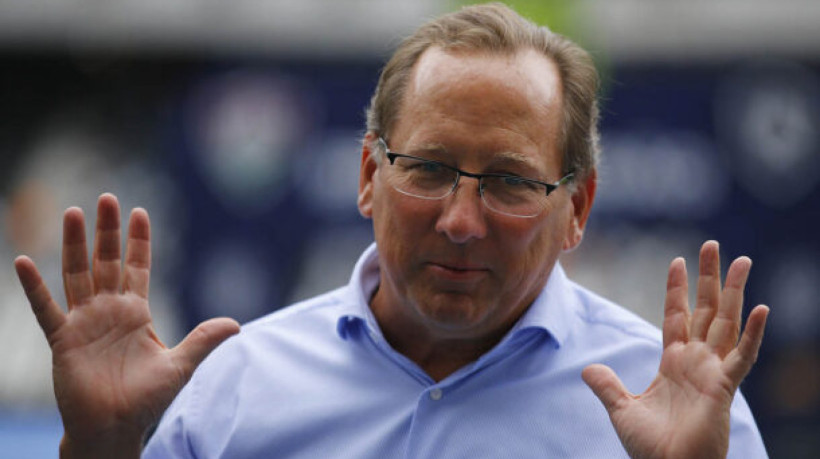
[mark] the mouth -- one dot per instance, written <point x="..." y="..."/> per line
<point x="458" y="272"/>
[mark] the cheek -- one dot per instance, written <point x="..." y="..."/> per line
<point x="400" y="223"/>
<point x="402" y="214"/>
<point x="533" y="246"/>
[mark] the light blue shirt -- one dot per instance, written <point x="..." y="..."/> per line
<point x="318" y="380"/>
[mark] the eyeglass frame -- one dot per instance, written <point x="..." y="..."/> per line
<point x="549" y="187"/>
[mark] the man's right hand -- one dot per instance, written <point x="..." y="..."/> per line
<point x="113" y="377"/>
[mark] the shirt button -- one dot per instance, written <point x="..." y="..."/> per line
<point x="436" y="394"/>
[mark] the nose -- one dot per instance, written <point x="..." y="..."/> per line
<point x="462" y="217"/>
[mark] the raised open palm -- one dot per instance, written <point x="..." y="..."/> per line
<point x="684" y="413"/>
<point x="113" y="377"/>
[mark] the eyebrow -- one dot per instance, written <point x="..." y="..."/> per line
<point x="514" y="159"/>
<point x="435" y="148"/>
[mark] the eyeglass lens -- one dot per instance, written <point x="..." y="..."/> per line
<point x="432" y="180"/>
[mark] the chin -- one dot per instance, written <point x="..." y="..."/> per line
<point x="453" y="311"/>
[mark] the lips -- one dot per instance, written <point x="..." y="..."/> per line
<point x="458" y="272"/>
<point x="460" y="267"/>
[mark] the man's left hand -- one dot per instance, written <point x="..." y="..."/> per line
<point x="685" y="411"/>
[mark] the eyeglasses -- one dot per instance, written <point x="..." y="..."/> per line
<point x="502" y="193"/>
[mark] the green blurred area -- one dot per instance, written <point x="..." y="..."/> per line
<point x="560" y="16"/>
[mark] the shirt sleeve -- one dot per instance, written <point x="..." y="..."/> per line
<point x="745" y="441"/>
<point x="171" y="438"/>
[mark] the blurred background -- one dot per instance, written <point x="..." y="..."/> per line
<point x="237" y="126"/>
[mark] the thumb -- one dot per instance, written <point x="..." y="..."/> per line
<point x="606" y="385"/>
<point x="201" y="341"/>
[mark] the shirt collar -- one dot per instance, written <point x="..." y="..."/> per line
<point x="551" y="310"/>
<point x="363" y="284"/>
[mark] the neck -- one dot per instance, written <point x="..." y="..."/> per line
<point x="439" y="352"/>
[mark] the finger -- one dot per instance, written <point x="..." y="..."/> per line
<point x="137" y="269"/>
<point x="708" y="296"/>
<point x="76" y="276"/>
<point x="607" y="387"/>
<point x="676" y="307"/>
<point x="200" y="342"/>
<point x="48" y="313"/>
<point x="725" y="328"/>
<point x="739" y="362"/>
<point x="106" y="258"/>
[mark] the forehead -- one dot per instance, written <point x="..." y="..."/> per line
<point x="482" y="102"/>
<point x="525" y="70"/>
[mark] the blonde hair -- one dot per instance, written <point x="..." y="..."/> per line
<point x="496" y="28"/>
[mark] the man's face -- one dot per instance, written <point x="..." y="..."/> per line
<point x="452" y="268"/>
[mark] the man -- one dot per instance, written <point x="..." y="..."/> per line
<point x="459" y="334"/>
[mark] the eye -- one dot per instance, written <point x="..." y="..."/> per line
<point x="425" y="167"/>
<point x="513" y="181"/>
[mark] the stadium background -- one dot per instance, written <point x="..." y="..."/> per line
<point x="237" y="127"/>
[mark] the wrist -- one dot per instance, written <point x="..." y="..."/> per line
<point x="120" y="446"/>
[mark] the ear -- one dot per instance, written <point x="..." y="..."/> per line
<point x="582" y="199"/>
<point x="367" y="172"/>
